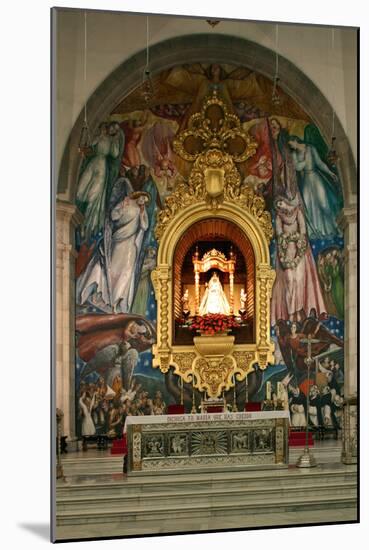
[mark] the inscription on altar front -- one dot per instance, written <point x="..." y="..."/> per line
<point x="175" y="419"/>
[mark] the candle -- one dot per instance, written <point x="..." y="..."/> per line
<point x="279" y="390"/>
<point x="181" y="382"/>
<point x="234" y="408"/>
<point x="193" y="410"/>
<point x="268" y="390"/>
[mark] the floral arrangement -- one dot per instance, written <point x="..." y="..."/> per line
<point x="301" y="245"/>
<point x="213" y="323"/>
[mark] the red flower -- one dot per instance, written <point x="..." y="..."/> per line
<point x="213" y="322"/>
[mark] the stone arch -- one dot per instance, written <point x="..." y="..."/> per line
<point x="124" y="79"/>
<point x="210" y="48"/>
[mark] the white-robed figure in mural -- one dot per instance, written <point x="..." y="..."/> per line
<point x="87" y="405"/>
<point x="319" y="188"/>
<point x="214" y="299"/>
<point x="110" y="275"/>
<point x="98" y="172"/>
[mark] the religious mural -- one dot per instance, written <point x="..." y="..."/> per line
<point x="126" y="175"/>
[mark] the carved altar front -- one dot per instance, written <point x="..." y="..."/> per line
<point x="160" y="443"/>
<point x="215" y="142"/>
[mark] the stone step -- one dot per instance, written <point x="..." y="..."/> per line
<point x="160" y="484"/>
<point x="81" y="464"/>
<point x="205" y="480"/>
<point x="245" y="494"/>
<point x="117" y="468"/>
<point x="212" y="509"/>
<point x="323" y="455"/>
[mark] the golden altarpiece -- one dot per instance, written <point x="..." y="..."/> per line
<point x="213" y="204"/>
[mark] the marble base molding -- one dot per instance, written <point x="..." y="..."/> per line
<point x="349" y="435"/>
<point x="348" y="223"/>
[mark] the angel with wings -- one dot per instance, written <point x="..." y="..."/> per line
<point x="319" y="184"/>
<point x="133" y="130"/>
<point x="158" y="153"/>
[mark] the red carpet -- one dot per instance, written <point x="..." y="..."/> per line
<point x="297" y="439"/>
<point x="119" y="446"/>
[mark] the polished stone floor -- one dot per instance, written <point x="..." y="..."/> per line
<point x="112" y="529"/>
<point x="95" y="499"/>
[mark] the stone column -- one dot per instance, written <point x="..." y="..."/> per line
<point x="67" y="218"/>
<point x="348" y="222"/>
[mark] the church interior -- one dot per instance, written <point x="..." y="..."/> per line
<point x="206" y="241"/>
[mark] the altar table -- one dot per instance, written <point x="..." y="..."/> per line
<point x="176" y="442"/>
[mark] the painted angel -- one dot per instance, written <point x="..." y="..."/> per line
<point x="158" y="153"/>
<point x="319" y="185"/>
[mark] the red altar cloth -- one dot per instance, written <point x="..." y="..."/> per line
<point x="253" y="407"/>
<point x="176" y="409"/>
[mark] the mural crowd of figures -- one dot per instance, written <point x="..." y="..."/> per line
<point x="124" y="178"/>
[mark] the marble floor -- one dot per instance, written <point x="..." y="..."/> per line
<point x="96" y="500"/>
<point x="114" y="529"/>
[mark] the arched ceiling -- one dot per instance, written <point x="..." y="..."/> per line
<point x="210" y="48"/>
<point x="213" y="228"/>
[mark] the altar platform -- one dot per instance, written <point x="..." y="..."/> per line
<point x="97" y="500"/>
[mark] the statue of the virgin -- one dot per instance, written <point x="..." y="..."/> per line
<point x="214" y="299"/>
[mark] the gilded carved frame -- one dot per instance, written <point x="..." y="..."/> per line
<point x="185" y="358"/>
<point x="214" y="188"/>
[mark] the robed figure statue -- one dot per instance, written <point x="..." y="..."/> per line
<point x="214" y="299"/>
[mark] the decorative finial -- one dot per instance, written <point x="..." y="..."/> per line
<point x="332" y="156"/>
<point x="213" y="22"/>
<point x="147" y="91"/>
<point x="276" y="98"/>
